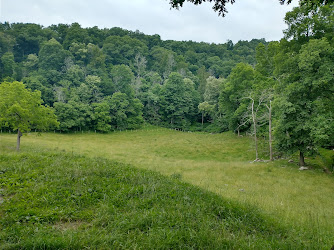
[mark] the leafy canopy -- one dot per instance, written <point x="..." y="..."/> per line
<point x="22" y="109"/>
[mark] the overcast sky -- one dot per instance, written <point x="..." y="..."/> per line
<point x="247" y="19"/>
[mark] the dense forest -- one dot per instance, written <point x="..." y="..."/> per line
<point x="115" y="79"/>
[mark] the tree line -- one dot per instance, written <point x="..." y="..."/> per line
<point x="108" y="79"/>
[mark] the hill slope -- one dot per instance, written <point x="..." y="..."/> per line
<point x="53" y="200"/>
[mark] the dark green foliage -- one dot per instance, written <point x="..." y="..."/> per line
<point x="107" y="79"/>
<point x="6" y="43"/>
<point x="218" y="126"/>
<point x="150" y="98"/>
<point x="310" y="21"/>
<point x="163" y="61"/>
<point x="75" y="34"/>
<point x="122" y="50"/>
<point x="177" y="101"/>
<point x="38" y="82"/>
<point x="78" y="202"/>
<point x="232" y="100"/>
<point x="28" y="38"/>
<point x="73" y="116"/>
<point x="122" y="77"/>
<point x="51" y="55"/>
<point x="8" y="65"/>
<point x="306" y="115"/>
<point x="125" y="112"/>
<point x="74" y="67"/>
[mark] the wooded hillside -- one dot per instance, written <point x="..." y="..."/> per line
<point x="115" y="79"/>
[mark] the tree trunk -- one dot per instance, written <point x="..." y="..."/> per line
<point x="202" y="119"/>
<point x="255" y="136"/>
<point x="256" y="147"/>
<point x="301" y="159"/>
<point x="19" y="134"/>
<point x="270" y="135"/>
<point x="238" y="132"/>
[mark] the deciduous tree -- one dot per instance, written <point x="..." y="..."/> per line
<point x="301" y="122"/>
<point x="22" y="110"/>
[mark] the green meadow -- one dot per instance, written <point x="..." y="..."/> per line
<point x="288" y="208"/>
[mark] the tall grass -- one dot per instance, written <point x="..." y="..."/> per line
<point x="221" y="163"/>
<point x="63" y="201"/>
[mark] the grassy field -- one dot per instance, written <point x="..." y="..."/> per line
<point x="221" y="163"/>
<point x="62" y="201"/>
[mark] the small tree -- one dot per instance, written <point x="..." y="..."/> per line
<point x="205" y="108"/>
<point x="21" y="109"/>
<point x="254" y="116"/>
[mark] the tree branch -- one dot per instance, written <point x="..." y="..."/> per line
<point x="219" y="5"/>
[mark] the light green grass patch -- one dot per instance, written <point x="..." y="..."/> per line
<point x="221" y="163"/>
<point x="62" y="201"/>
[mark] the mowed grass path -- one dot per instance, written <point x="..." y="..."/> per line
<point x="221" y="163"/>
